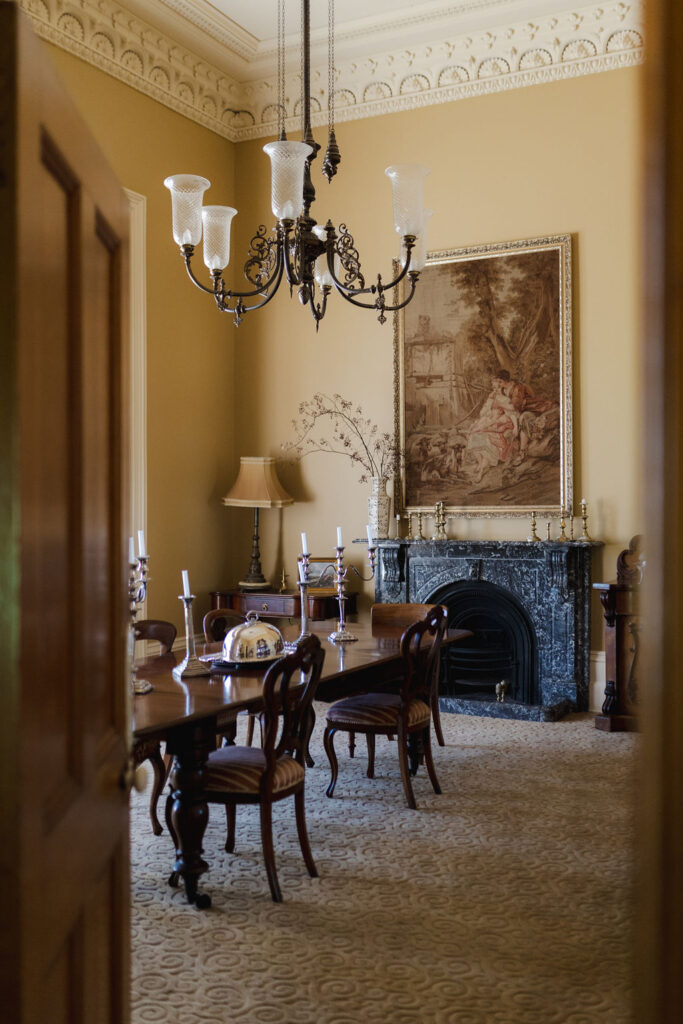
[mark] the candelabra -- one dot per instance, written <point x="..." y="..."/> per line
<point x="343" y="635"/>
<point x="304" y="632"/>
<point x="137" y="593"/>
<point x="190" y="666"/>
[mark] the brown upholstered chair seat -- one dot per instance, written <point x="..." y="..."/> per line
<point x="240" y="769"/>
<point x="375" y="710"/>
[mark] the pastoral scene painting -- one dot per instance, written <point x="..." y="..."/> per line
<point x="485" y="380"/>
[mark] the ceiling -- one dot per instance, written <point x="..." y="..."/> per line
<point x="240" y="36"/>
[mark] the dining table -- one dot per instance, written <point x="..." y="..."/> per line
<point x="186" y="715"/>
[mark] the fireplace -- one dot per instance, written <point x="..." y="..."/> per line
<point x="528" y="608"/>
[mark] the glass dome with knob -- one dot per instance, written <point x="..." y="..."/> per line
<point x="314" y="259"/>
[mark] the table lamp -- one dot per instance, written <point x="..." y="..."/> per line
<point x="257" y="486"/>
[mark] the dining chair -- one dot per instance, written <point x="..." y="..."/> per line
<point x="264" y="775"/>
<point x="150" y="750"/>
<point x="217" y="622"/>
<point x="404" y="714"/>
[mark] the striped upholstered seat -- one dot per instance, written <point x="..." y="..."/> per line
<point x="375" y="709"/>
<point x="239" y="770"/>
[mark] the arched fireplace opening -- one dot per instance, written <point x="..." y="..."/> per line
<point x="502" y="648"/>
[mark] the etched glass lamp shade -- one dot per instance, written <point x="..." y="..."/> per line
<point x="287" y="163"/>
<point x="323" y="277"/>
<point x="187" y="191"/>
<point x="419" y="254"/>
<point x="407" y="181"/>
<point x="216" y="221"/>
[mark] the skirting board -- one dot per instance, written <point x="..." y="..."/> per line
<point x="597" y="682"/>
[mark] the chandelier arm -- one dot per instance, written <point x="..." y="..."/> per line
<point x="345" y="290"/>
<point x="293" y="279"/>
<point x="414" y="275"/>
<point x="187" y="251"/>
<point x="277" y="273"/>
<point x="225" y="298"/>
<point x="319" y="310"/>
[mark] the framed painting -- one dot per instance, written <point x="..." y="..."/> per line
<point x="320" y="575"/>
<point x="483" y="381"/>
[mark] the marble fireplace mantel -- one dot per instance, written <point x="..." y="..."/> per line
<point x="550" y="580"/>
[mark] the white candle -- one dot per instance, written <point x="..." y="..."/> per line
<point x="131" y="551"/>
<point x="340" y="543"/>
<point x="369" y="532"/>
<point x="186" y="583"/>
<point x="304" y="544"/>
<point x="141" y="544"/>
<point x="302" y="572"/>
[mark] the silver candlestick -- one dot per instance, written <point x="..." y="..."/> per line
<point x="291" y="645"/>
<point x="190" y="666"/>
<point x="137" y="594"/>
<point x="343" y="635"/>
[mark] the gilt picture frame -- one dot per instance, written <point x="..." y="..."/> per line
<point x="320" y="575"/>
<point x="483" y="381"/>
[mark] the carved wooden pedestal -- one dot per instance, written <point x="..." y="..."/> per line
<point x="621" y="603"/>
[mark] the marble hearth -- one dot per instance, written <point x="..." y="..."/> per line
<point x="528" y="605"/>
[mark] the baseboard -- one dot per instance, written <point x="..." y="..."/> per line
<point x="598" y="677"/>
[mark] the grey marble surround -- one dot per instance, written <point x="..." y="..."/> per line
<point x="551" y="580"/>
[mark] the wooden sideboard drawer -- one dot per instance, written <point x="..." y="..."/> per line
<point x="280" y="605"/>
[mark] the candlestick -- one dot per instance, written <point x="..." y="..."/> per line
<point x="304" y="632"/>
<point x="533" y="536"/>
<point x="547" y="533"/>
<point x="563" y="535"/>
<point x="190" y="666"/>
<point x="571" y="526"/>
<point x="137" y="593"/>
<point x="585" y="536"/>
<point x="186" y="582"/>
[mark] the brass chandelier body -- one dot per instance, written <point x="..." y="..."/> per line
<point x="313" y="260"/>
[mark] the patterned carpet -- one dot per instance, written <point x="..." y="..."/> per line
<point x="504" y="901"/>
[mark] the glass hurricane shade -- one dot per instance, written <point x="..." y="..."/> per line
<point x="322" y="274"/>
<point x="186" y="199"/>
<point x="257" y="485"/>
<point x="407" y="181"/>
<point x="216" y="221"/>
<point x="419" y="254"/>
<point x="287" y="162"/>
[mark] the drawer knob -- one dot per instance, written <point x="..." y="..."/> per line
<point x="264" y="606"/>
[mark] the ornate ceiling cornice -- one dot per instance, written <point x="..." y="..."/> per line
<point x="580" y="41"/>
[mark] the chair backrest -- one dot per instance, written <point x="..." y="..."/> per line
<point x="156" y="629"/>
<point x="288" y="690"/>
<point x="397" y="614"/>
<point x="218" y="621"/>
<point x="421" y="661"/>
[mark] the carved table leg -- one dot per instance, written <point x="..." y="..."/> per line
<point x="187" y="810"/>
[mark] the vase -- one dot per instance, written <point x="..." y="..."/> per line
<point x="379" y="507"/>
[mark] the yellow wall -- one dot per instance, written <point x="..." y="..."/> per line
<point x="190" y="345"/>
<point x="544" y="160"/>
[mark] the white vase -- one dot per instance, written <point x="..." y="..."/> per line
<point x="379" y="507"/>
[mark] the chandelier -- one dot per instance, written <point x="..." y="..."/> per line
<point x="314" y="259"/>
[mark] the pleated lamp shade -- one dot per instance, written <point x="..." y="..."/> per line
<point x="257" y="485"/>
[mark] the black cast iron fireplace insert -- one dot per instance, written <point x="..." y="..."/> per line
<point x="502" y="649"/>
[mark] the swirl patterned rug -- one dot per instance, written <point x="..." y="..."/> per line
<point x="504" y="901"/>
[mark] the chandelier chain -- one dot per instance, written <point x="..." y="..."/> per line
<point x="330" y="66"/>
<point x="281" y="70"/>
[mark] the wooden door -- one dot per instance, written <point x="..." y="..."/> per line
<point x="63" y="722"/>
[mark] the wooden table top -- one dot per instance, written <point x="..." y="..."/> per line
<point x="174" y="703"/>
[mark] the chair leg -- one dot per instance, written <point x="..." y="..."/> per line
<point x="405" y="774"/>
<point x="250" y="730"/>
<point x="174" y="878"/>
<point x="429" y="761"/>
<point x="230" y="814"/>
<point x="159" y="767"/>
<point x="328" y="743"/>
<point x="370" y="737"/>
<point x="310" y="726"/>
<point x="300" y="808"/>
<point x="436" y="718"/>
<point x="268" y="853"/>
<point x="352" y="743"/>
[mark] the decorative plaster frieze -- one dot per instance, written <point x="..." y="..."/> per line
<point x="583" y="40"/>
